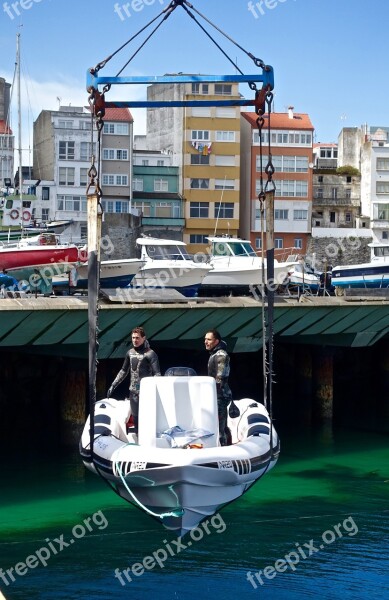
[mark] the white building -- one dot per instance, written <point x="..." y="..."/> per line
<point x="62" y="158"/>
<point x="368" y="148"/>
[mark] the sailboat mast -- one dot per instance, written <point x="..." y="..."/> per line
<point x="19" y="114"/>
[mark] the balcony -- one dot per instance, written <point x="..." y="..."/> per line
<point x="163" y="221"/>
<point x="328" y="201"/>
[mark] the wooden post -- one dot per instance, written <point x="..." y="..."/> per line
<point x="72" y="405"/>
<point x="323" y="381"/>
<point x="304" y="384"/>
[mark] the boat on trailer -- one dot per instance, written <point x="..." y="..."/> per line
<point x="175" y="468"/>
<point x="237" y="268"/>
<point x="374" y="274"/>
<point x="169" y="266"/>
<point x="113" y="273"/>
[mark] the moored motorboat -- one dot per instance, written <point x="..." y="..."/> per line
<point x="113" y="273"/>
<point x="175" y="468"/>
<point x="374" y="274"/>
<point x="237" y="268"/>
<point x="168" y="265"/>
<point x="302" y="278"/>
<point x="43" y="250"/>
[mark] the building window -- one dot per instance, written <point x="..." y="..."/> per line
<point x="199" y="159"/>
<point x="143" y="207"/>
<point x="278" y="243"/>
<point x="225" y="136"/>
<point x="45" y="193"/>
<point x="225" y="112"/>
<point x="385" y="235"/>
<point x="319" y="193"/>
<point x="382" y="164"/>
<point x="224" y="184"/>
<point x="197" y="88"/>
<point x="224" y="210"/>
<point x="137" y="185"/>
<point x="116" y="180"/>
<point x="348" y="193"/>
<point x="258" y="243"/>
<point x="198" y="238"/>
<point x="288" y="188"/>
<point x="320" y="179"/>
<point x="347" y="217"/>
<point x="201" y="112"/>
<point x="145" y="162"/>
<point x="332" y="216"/>
<point x="66" y="175"/>
<point x="381" y="212"/>
<point x="382" y="187"/>
<point x="71" y="203"/>
<point x="45" y="214"/>
<point x="160" y="163"/>
<point x="199" y="184"/>
<point x="66" y="151"/>
<point x="199" y="210"/>
<point x="223" y="89"/>
<point x="298" y="243"/>
<point x="83" y="176"/>
<point x="161" y="185"/>
<point x="300" y="215"/>
<point x="64" y="124"/>
<point x="86" y="150"/>
<point x="163" y="210"/>
<point x="225" y="160"/>
<point x="199" y="135"/>
<point x="281" y="214"/>
<point x="334" y="193"/>
<point x="115" y="128"/>
<point x="114" y="154"/>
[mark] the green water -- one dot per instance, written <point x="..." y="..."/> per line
<point x="324" y="507"/>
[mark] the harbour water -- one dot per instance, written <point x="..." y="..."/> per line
<point x="316" y="526"/>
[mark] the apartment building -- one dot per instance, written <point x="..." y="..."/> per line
<point x="205" y="144"/>
<point x="367" y="149"/>
<point x="291" y="146"/>
<point x="62" y="158"/>
<point x="7" y="140"/>
<point x="155" y="194"/>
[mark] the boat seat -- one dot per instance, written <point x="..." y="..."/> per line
<point x="187" y="401"/>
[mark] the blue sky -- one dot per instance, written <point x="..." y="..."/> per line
<point x="329" y="56"/>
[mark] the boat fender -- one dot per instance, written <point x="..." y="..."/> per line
<point x="14" y="214"/>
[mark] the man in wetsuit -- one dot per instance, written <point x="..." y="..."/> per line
<point x="219" y="369"/>
<point x="142" y="361"/>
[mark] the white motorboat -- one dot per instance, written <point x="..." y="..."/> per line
<point x="302" y="278"/>
<point x="236" y="268"/>
<point x="374" y="274"/>
<point x="175" y="469"/>
<point x="168" y="265"/>
<point x="113" y="273"/>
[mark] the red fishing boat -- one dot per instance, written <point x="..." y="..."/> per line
<point x="37" y="253"/>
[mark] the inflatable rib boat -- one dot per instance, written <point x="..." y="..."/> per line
<point x="175" y="469"/>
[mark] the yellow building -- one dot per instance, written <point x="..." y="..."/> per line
<point x="205" y="143"/>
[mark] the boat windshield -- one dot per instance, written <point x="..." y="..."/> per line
<point x="232" y="249"/>
<point x="381" y="251"/>
<point x="172" y="252"/>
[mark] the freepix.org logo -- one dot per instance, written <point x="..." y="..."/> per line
<point x="259" y="9"/>
<point x="13" y="9"/>
<point x="127" y="9"/>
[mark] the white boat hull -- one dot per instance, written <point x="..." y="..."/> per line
<point x="113" y="273"/>
<point x="180" y="486"/>
<point x="182" y="276"/>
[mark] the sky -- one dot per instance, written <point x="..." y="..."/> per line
<point x="329" y="56"/>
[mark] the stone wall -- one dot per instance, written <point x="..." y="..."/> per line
<point x="347" y="250"/>
<point x="119" y="235"/>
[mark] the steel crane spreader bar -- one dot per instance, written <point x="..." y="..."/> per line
<point x="266" y="78"/>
